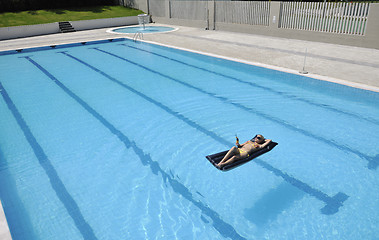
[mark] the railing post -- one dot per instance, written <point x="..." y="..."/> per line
<point x="168" y="9"/>
<point x="211" y="15"/>
<point x="372" y="27"/>
<point x="274" y="15"/>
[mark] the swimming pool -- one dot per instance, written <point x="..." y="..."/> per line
<point x="106" y="140"/>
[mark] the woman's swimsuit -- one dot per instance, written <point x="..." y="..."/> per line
<point x="243" y="151"/>
<point x="255" y="145"/>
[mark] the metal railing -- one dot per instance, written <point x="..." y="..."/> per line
<point x="137" y="35"/>
<point x="342" y="17"/>
<point x="243" y="12"/>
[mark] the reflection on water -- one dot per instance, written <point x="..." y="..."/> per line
<point x="272" y="204"/>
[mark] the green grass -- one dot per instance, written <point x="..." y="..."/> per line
<point x="10" y="19"/>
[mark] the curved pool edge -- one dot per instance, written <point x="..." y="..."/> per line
<point x="111" y="30"/>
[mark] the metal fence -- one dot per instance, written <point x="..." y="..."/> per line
<point x="344" y="18"/>
<point x="243" y="12"/>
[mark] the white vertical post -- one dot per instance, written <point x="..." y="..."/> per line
<point x="359" y="20"/>
<point x="305" y="58"/>
<point x="338" y="25"/>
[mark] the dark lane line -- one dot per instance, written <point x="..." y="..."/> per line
<point x="225" y="229"/>
<point x="332" y="203"/>
<point x="60" y="190"/>
<point x="255" y="85"/>
<point x="373" y="162"/>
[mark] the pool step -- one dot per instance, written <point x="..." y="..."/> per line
<point x="4" y="230"/>
<point x="66" y="27"/>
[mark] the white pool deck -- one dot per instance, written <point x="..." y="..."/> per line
<point x="354" y="66"/>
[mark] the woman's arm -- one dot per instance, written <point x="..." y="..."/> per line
<point x="267" y="142"/>
<point x="241" y="145"/>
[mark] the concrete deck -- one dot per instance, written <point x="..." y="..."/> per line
<point x="4" y="230"/>
<point x="354" y="66"/>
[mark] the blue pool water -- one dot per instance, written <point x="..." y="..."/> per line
<point x="107" y="141"/>
<point x="147" y="29"/>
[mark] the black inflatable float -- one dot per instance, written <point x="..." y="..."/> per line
<point x="217" y="157"/>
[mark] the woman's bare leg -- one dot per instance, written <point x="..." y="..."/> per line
<point x="232" y="152"/>
<point x="230" y="160"/>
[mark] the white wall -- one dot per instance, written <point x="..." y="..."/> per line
<point x="104" y="23"/>
<point x="28" y="30"/>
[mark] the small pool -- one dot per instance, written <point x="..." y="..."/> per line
<point x="147" y="29"/>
